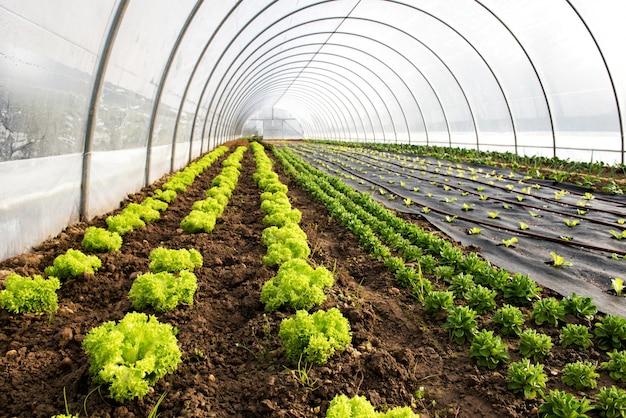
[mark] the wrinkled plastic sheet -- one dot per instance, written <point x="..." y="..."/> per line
<point x="592" y="268"/>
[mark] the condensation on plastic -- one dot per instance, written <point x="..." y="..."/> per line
<point x="529" y="77"/>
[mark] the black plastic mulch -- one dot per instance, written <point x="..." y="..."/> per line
<point x="452" y="193"/>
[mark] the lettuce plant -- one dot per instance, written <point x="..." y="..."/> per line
<point x="535" y="345"/>
<point x="561" y="404"/>
<point x="30" y="294"/>
<point x="131" y="355"/>
<point x="610" y="332"/>
<point x="124" y="222"/>
<point x="616" y="365"/>
<point x="73" y="263"/>
<point x="163" y="291"/>
<point x="520" y="290"/>
<point x="527" y="378"/>
<point x="143" y="212"/>
<point x="166" y="196"/>
<point x="548" y="310"/>
<point x="198" y="221"/>
<point x="162" y="259"/>
<point x="437" y="301"/>
<point x="510" y="319"/>
<point x="461" y="324"/>
<point x="315" y="338"/>
<point x="576" y="335"/>
<point x="488" y="349"/>
<point x="481" y="299"/>
<point x="297" y="285"/>
<point x="155" y="204"/>
<point x="461" y="284"/>
<point x="359" y="407"/>
<point x="611" y="402"/>
<point x="580" y="375"/>
<point x="99" y="240"/>
<point x="579" y="306"/>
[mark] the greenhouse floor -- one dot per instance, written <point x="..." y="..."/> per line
<point x="233" y="364"/>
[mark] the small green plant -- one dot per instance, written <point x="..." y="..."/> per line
<point x="617" y="285"/>
<point x="163" y="291"/>
<point x="488" y="349"/>
<point x="576" y="335"/>
<point x="315" y="337"/>
<point x="359" y="407"/>
<point x="461" y="324"/>
<point x="297" y="285"/>
<point x="611" y="402"/>
<point x="534" y="215"/>
<point x="437" y="301"/>
<point x="467" y="207"/>
<point x="100" y="240"/>
<point x="426" y="209"/>
<point x="510" y="319"/>
<point x="166" y="196"/>
<point x="162" y="259"/>
<point x="548" y="310"/>
<point x="493" y="215"/>
<point x="523" y="226"/>
<point x="474" y="231"/>
<point x="509" y="242"/>
<point x="618" y="235"/>
<point x="571" y="222"/>
<point x="461" y="284"/>
<point x="562" y="404"/>
<point x="483" y="197"/>
<point x="616" y="365"/>
<point x="73" y="263"/>
<point x="610" y="332"/>
<point x="559" y="261"/>
<point x="450" y="219"/>
<point x="408" y="202"/>
<point x="481" y="299"/>
<point x="520" y="290"/>
<point x="124" y="222"/>
<point x="534" y="345"/>
<point x="526" y="378"/>
<point x="579" y="306"/>
<point x="30" y="294"/>
<point x="131" y="355"/>
<point x="580" y="375"/>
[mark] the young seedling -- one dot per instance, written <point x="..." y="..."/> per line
<point x="580" y="375"/>
<point x="426" y="209"/>
<point x="408" y="202"/>
<point x="510" y="319"/>
<point x="523" y="226"/>
<point x="548" y="310"/>
<point x="416" y="189"/>
<point x="617" y="285"/>
<point x="450" y="219"/>
<point x="534" y="215"/>
<point x="581" y="212"/>
<point x="576" y="335"/>
<point x="488" y="349"/>
<point x="618" y="236"/>
<point x="520" y="198"/>
<point x="493" y="215"/>
<point x="527" y="378"/>
<point x="467" y="207"/>
<point x="483" y="197"/>
<point x="562" y="404"/>
<point x="534" y="345"/>
<point x="571" y="222"/>
<point x="509" y="242"/>
<point x="559" y="261"/>
<point x="474" y="231"/>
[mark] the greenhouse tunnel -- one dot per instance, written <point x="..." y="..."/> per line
<point x="100" y="98"/>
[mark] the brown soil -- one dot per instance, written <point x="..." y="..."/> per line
<point x="233" y="364"/>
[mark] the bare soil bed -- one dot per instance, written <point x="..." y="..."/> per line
<point x="233" y="364"/>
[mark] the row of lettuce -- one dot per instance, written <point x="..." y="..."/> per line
<point x="312" y="338"/>
<point x="460" y="287"/>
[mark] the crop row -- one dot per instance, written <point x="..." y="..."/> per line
<point x="309" y="338"/>
<point x="471" y="286"/>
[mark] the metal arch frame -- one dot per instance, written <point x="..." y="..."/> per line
<point x="539" y="80"/>
<point x="210" y="105"/>
<point x="376" y="75"/>
<point x="223" y="53"/>
<point x="310" y="91"/>
<point x="335" y="92"/>
<point x="192" y="75"/>
<point x="347" y="99"/>
<point x="96" y="92"/>
<point x="268" y="63"/>
<point x="373" y="89"/>
<point x="506" y="101"/>
<point x="608" y="71"/>
<point x="409" y="61"/>
<point x="328" y="43"/>
<point x="160" y="89"/>
<point x="365" y="109"/>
